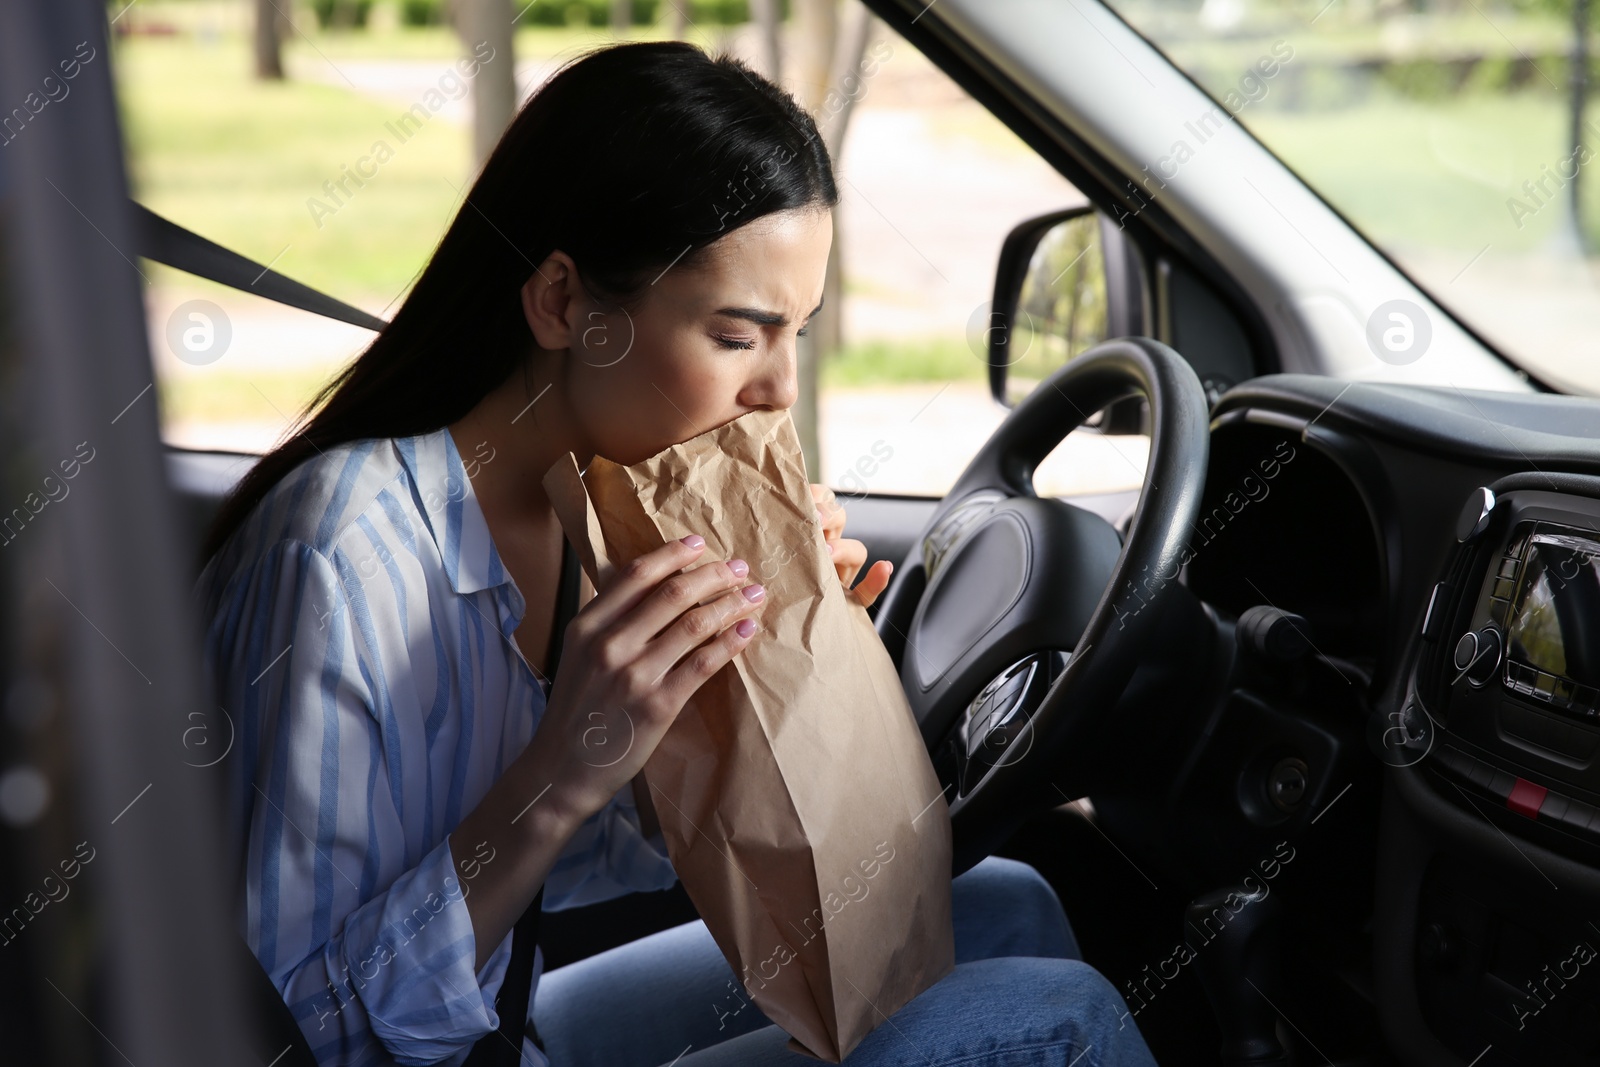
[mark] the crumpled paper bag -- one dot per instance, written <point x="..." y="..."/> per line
<point x="795" y="796"/>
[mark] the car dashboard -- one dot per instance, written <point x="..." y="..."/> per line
<point x="1430" y="746"/>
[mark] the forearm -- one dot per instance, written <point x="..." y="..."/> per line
<point x="395" y="972"/>
<point x="506" y="846"/>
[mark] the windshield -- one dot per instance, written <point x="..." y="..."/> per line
<point x="1452" y="135"/>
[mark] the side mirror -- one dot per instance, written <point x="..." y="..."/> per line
<point x="1066" y="281"/>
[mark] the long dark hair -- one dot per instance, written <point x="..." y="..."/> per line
<point x="630" y="158"/>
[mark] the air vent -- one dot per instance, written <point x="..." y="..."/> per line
<point x="1463" y="578"/>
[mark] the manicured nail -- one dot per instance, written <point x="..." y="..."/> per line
<point x="753" y="593"/>
<point x="739" y="567"/>
<point x="745" y="627"/>
<point x="830" y="547"/>
<point x="694" y="541"/>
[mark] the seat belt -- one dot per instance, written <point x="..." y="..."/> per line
<point x="166" y="242"/>
<point x="503" y="1047"/>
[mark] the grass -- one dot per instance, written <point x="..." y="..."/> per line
<point x="239" y="161"/>
<point x="1436" y="175"/>
<point x="230" y="396"/>
<point x="895" y="362"/>
<point x="242" y="161"/>
<point x="236" y="160"/>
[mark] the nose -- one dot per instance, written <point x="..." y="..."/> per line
<point x="777" y="384"/>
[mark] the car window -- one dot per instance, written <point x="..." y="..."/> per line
<point x="1447" y="133"/>
<point x="930" y="183"/>
<point x="312" y="176"/>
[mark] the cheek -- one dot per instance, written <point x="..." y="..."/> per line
<point x="702" y="386"/>
<point x="659" y="395"/>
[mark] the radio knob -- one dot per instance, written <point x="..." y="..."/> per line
<point x="1477" y="656"/>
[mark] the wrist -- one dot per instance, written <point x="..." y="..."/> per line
<point x="552" y="803"/>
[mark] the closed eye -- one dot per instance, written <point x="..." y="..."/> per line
<point x="736" y="343"/>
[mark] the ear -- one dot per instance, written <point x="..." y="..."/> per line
<point x="547" y="301"/>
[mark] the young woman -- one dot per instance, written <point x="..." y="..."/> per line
<point x="631" y="269"/>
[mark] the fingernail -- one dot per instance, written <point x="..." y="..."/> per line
<point x="830" y="547"/>
<point x="694" y="541"/>
<point x="739" y="567"/>
<point x="753" y="593"/>
<point x="745" y="627"/>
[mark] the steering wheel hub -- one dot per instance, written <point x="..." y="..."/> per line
<point x="1011" y="621"/>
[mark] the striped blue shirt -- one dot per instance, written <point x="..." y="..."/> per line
<point x="359" y="636"/>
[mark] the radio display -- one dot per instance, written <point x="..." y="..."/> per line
<point x="1555" y="621"/>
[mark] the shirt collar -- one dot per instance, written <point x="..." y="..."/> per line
<point x="451" y="510"/>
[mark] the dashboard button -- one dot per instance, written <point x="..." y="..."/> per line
<point x="1502" y="784"/>
<point x="1455" y="761"/>
<point x="1578" y="816"/>
<point x="1526" y="798"/>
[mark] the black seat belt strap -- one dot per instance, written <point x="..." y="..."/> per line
<point x="166" y="242"/>
<point x="503" y="1046"/>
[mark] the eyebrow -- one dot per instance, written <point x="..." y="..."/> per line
<point x="760" y="317"/>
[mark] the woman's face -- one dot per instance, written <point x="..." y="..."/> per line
<point x="705" y="346"/>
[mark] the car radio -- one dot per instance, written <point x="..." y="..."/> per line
<point x="1496" y="746"/>
<point x="1553" y="626"/>
<point x="1510" y="668"/>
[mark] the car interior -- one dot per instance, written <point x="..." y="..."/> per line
<point x="1303" y="732"/>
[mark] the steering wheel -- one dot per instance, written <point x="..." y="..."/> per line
<point x="1017" y="620"/>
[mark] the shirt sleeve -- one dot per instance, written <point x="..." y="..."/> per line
<point x="372" y="951"/>
<point x="608" y="857"/>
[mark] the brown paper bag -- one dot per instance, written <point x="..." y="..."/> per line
<point x="797" y="802"/>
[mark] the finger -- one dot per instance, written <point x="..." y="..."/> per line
<point x="849" y="556"/>
<point x="631" y="583"/>
<point x="832" y="520"/>
<point x="696" y="627"/>
<point x="829" y="512"/>
<point x="683" y="680"/>
<point x="676" y="596"/>
<point x="873" y="583"/>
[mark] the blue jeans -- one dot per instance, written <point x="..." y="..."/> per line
<point x="1020" y="996"/>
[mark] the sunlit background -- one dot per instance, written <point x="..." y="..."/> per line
<point x="930" y="184"/>
<point x="1455" y="134"/>
<point x="1451" y="134"/>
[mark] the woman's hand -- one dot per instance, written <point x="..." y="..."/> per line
<point x="631" y="658"/>
<point x="848" y="553"/>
